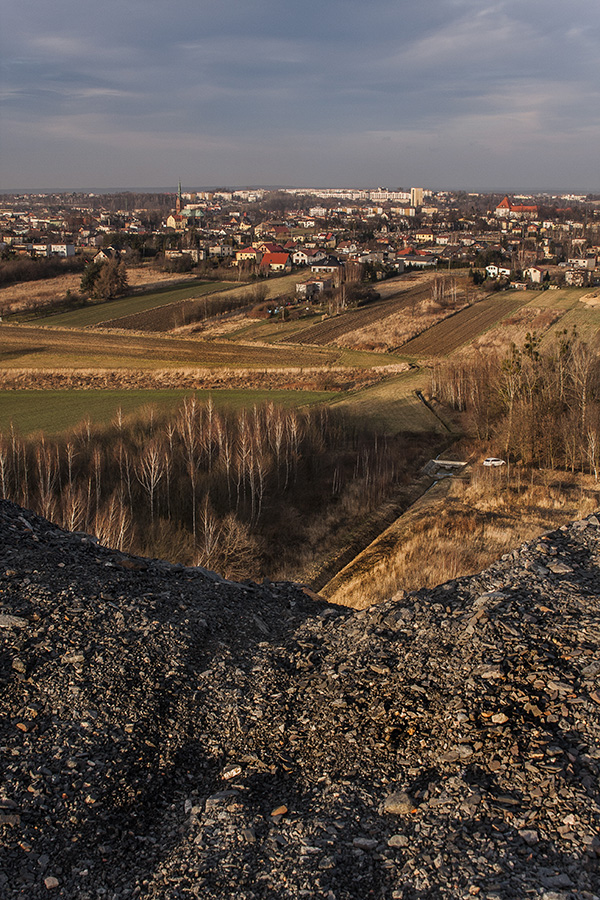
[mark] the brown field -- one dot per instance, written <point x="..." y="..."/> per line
<point x="335" y="329"/>
<point x="392" y="332"/>
<point x="176" y="316"/>
<point x="15" y="297"/>
<point x="24" y="346"/>
<point x="464" y="326"/>
<point x="513" y="330"/>
<point x="469" y="523"/>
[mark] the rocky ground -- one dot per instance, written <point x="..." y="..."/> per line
<point x="166" y="734"/>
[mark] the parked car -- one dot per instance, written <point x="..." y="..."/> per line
<point x="493" y="461"/>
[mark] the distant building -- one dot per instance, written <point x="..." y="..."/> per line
<point x="106" y="254"/>
<point x="62" y="249"/>
<point x="508" y="210"/>
<point x="276" y="262"/>
<point x="416" y="197"/>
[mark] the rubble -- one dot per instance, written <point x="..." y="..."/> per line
<point x="168" y="734"/>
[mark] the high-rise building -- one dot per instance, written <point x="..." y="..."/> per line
<point x="416" y="197"/>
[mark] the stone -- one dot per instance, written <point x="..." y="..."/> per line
<point x="415" y="762"/>
<point x="398" y="840"/>
<point x="399" y="804"/>
<point x="363" y="843"/>
<point x="529" y="835"/>
<point x="279" y="811"/>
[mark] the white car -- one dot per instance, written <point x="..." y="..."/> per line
<point x="492" y="462"/>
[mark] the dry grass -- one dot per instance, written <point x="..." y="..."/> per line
<point x="459" y="528"/>
<point x="460" y="329"/>
<point x="19" y="296"/>
<point x="400" y="327"/>
<point x="513" y="330"/>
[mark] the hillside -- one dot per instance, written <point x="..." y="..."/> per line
<point x="166" y="734"/>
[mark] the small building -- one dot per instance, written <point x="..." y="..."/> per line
<point x="494" y="271"/>
<point x="329" y="264"/>
<point x="62" y="250"/>
<point x="276" y="262"/>
<point x="313" y="287"/>
<point x="248" y="254"/>
<point x="106" y="254"/>
<point x="578" y="277"/>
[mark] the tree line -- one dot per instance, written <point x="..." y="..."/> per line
<point x="246" y="493"/>
<point x="541" y="406"/>
<point x="25" y="268"/>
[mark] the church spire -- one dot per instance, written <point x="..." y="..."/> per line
<point x="178" y="201"/>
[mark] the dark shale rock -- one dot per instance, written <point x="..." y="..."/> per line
<point x="168" y="734"/>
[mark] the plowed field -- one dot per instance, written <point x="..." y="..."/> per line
<point x="31" y="347"/>
<point x="333" y="329"/>
<point x="447" y="336"/>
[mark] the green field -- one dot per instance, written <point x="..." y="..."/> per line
<point x="54" y="412"/>
<point x="127" y="306"/>
<point x="393" y="405"/>
<point x="585" y="319"/>
<point x="564" y="298"/>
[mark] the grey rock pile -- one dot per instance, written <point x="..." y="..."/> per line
<point x="167" y="734"/>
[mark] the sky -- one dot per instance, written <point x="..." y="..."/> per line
<point x="479" y="95"/>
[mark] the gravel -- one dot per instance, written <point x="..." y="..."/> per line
<point x="168" y="734"/>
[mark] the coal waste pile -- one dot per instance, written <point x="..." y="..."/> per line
<point x="168" y="734"/>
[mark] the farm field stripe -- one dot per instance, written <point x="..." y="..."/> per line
<point x="29" y="347"/>
<point x="125" y="306"/>
<point x="53" y="412"/>
<point x="465" y="325"/>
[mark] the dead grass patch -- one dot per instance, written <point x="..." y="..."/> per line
<point x="398" y="328"/>
<point x="460" y="528"/>
<point x="513" y="329"/>
<point x="22" y="295"/>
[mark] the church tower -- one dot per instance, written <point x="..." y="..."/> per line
<point x="178" y="201"/>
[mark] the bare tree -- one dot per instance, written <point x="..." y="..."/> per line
<point x="187" y="426"/>
<point x="3" y="469"/>
<point x="150" y="471"/>
<point x="46" y="472"/>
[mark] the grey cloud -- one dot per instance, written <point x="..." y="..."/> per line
<point x="264" y="90"/>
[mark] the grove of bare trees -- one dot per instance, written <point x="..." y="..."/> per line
<point x="246" y="493"/>
<point x="539" y="406"/>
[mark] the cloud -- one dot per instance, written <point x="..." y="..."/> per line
<point x="269" y="87"/>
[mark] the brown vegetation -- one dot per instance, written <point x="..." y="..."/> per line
<point x="412" y="319"/>
<point x="181" y="313"/>
<point x="512" y="330"/>
<point x="48" y="292"/>
<point x="537" y="408"/>
<point x="460" y="528"/>
<point x="541" y="411"/>
<point x="244" y="493"/>
<point x="296" y="379"/>
<point x="459" y="329"/>
<point x="26" y="269"/>
<point x="338" y="329"/>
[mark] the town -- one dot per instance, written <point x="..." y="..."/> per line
<point x="518" y="242"/>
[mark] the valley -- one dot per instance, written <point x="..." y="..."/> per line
<point x="370" y="366"/>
